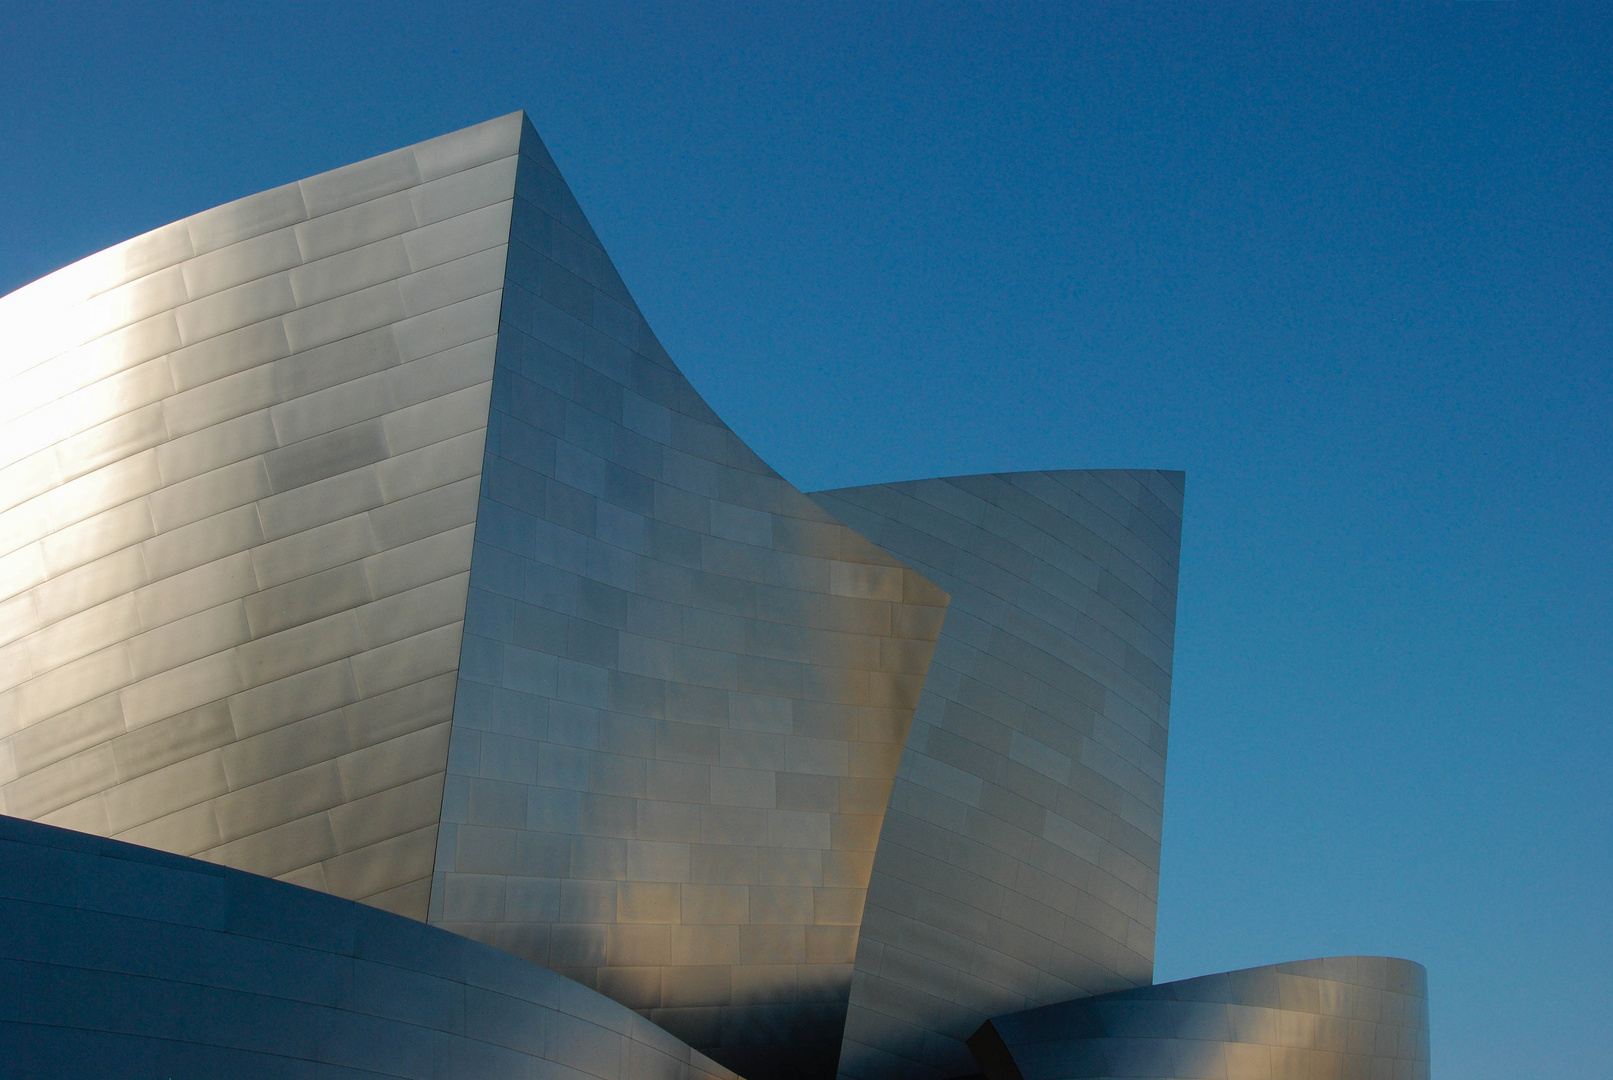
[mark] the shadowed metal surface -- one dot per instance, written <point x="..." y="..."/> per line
<point x="123" y="961"/>
<point x="1019" y="859"/>
<point x="684" y="686"/>
<point x="238" y="477"/>
<point x="1340" y="1018"/>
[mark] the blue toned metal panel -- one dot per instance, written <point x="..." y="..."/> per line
<point x="125" y="961"/>
<point x="683" y="687"/>
<point x="1019" y="860"/>
<point x="1339" y="1018"/>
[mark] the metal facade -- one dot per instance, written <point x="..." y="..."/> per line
<point x="1342" y="1018"/>
<point x="684" y="686"/>
<point x="240" y="498"/>
<point x="240" y="463"/>
<point x="123" y="961"/>
<point x="1019" y="862"/>
<point x="361" y="534"/>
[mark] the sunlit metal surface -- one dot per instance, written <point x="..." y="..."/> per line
<point x="684" y="687"/>
<point x="1019" y="861"/>
<point x="360" y="533"/>
<point x="239" y="459"/>
<point x="247" y="456"/>
<point x="120" y="961"/>
<point x="1341" y="1018"/>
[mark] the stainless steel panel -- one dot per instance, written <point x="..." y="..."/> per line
<point x="90" y="539"/>
<point x="472" y="230"/>
<point x="235" y="308"/>
<point x="346" y="315"/>
<point x="215" y="447"/>
<point x="245" y="218"/>
<point x="220" y="400"/>
<point x="361" y="182"/>
<point x="1257" y="1024"/>
<point x="131" y="303"/>
<point x="360" y="532"/>
<point x="228" y="354"/>
<point x="612" y="647"/>
<point x="1030" y="717"/>
<point x="444" y="373"/>
<point x="192" y="562"/>
<point x="349" y="271"/>
<point x="463" y="152"/>
<point x="338" y="363"/>
<point x="249" y="260"/>
<point x="362" y="395"/>
<point x="356" y="226"/>
<point x="309" y="552"/>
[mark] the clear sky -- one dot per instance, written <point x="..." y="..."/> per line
<point x="1349" y="268"/>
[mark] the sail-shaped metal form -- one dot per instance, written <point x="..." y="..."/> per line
<point x="1019" y="861"/>
<point x="360" y="534"/>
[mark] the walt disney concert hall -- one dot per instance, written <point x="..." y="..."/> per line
<point x="404" y="673"/>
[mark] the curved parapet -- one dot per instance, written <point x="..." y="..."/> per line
<point x="684" y="687"/>
<point x="1019" y="860"/>
<point x="1342" y="1018"/>
<point x="123" y="961"/>
<point x="238" y="471"/>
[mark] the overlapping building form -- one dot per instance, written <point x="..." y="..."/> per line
<point x="361" y="534"/>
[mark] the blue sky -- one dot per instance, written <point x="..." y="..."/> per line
<point x="1349" y="268"/>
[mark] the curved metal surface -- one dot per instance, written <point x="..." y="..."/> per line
<point x="684" y="687"/>
<point x="1340" y="1018"/>
<point x="1019" y="860"/>
<point x="360" y="533"/>
<point x="296" y="486"/>
<point x="238" y="472"/>
<point x="119" y="960"/>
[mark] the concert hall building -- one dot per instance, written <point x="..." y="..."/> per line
<point x="405" y="673"/>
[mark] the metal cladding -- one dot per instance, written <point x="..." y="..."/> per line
<point x="361" y="534"/>
<point x="1342" y="1018"/>
<point x="240" y="463"/>
<point x="1019" y="860"/>
<point x="684" y="687"/>
<point x="123" y="961"/>
<point x="264" y="467"/>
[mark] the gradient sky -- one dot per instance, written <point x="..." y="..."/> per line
<point x="1350" y="269"/>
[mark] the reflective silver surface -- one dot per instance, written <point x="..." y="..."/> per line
<point x="684" y="686"/>
<point x="121" y="961"/>
<point x="360" y="533"/>
<point x="239" y="459"/>
<point x="1341" y="1018"/>
<point x="248" y="458"/>
<point x="1019" y="860"/>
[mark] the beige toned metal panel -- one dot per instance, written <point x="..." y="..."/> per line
<point x="1018" y="863"/>
<point x="683" y="686"/>
<point x="1338" y="1018"/>
<point x="241" y="456"/>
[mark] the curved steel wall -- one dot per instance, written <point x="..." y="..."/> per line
<point x="361" y="533"/>
<point x="117" y="960"/>
<point x="1019" y="860"/>
<point x="238" y="509"/>
<point x="1342" y="1018"/>
<point x="684" y="686"/>
<point x="240" y="459"/>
